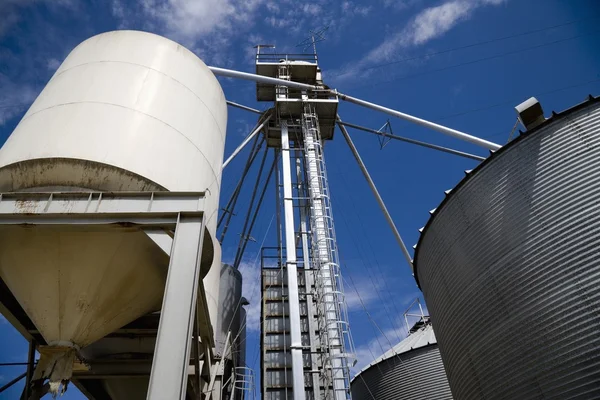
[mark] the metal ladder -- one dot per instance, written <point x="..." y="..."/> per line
<point x="336" y="341"/>
<point x="244" y="387"/>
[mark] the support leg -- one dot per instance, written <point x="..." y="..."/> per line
<point x="384" y="209"/>
<point x="168" y="378"/>
<point x="292" y="274"/>
<point x="30" y="368"/>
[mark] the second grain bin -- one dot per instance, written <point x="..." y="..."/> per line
<point x="412" y="369"/>
<point x="509" y="265"/>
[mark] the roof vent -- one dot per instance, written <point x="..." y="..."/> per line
<point x="530" y="113"/>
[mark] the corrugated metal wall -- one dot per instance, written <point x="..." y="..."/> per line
<point x="510" y="267"/>
<point x="417" y="374"/>
<point x="276" y="361"/>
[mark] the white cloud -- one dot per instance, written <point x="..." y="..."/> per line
<point x="367" y="292"/>
<point x="15" y="99"/>
<point x="375" y="347"/>
<point x="435" y="21"/>
<point x="10" y="10"/>
<point x="273" y="7"/>
<point x="350" y="8"/>
<point x="388" y="332"/>
<point x="400" y="4"/>
<point x="311" y="9"/>
<point x="188" y="19"/>
<point x="53" y="64"/>
<point x="206" y="27"/>
<point x="119" y="11"/>
<point x="429" y="24"/>
<point x="251" y="290"/>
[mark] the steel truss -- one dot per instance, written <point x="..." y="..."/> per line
<point x="175" y="222"/>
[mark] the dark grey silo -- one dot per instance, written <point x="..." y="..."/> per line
<point x="411" y="370"/>
<point x="509" y="265"/>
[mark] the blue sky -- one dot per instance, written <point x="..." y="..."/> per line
<point x="463" y="63"/>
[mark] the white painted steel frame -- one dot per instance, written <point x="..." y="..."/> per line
<point x="415" y="142"/>
<point x="168" y="377"/>
<point x="182" y="212"/>
<point x="292" y="268"/>
<point x="243" y="107"/>
<point x="384" y="209"/>
<point x="245" y="142"/>
<point x="260" y="79"/>
<point x="419" y="121"/>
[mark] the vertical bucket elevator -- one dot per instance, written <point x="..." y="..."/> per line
<point x="305" y="338"/>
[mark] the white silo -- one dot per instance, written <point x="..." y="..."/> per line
<point x="126" y="111"/>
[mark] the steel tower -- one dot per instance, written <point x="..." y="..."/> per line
<point x="320" y="346"/>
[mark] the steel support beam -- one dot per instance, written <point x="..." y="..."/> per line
<point x="365" y="172"/>
<point x="9" y="384"/>
<point x="245" y="142"/>
<point x="292" y="268"/>
<point x="308" y="276"/>
<point x="168" y="378"/>
<point x="30" y="369"/>
<point x="182" y="212"/>
<point x="419" y="121"/>
<point x="260" y="79"/>
<point x="161" y="238"/>
<point x="243" y="107"/>
<point x="416" y="142"/>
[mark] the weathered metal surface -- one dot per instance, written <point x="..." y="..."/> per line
<point x="85" y="296"/>
<point x="159" y="123"/>
<point x="212" y="283"/>
<point x="230" y="294"/>
<point x="509" y="269"/>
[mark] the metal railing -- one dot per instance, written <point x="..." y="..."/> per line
<point x="244" y="385"/>
<point x="276" y="57"/>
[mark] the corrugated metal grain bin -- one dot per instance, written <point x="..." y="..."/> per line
<point x="412" y="369"/>
<point x="509" y="266"/>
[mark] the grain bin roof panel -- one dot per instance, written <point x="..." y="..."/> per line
<point x="421" y="338"/>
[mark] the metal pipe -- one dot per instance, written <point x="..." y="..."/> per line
<point x="292" y="268"/>
<point x="243" y="107"/>
<point x="417" y="142"/>
<point x="260" y="200"/>
<point x="428" y="124"/>
<point x="229" y="210"/>
<point x="388" y="217"/>
<point x="17" y="379"/>
<point x="260" y="79"/>
<point x="238" y="255"/>
<point x="30" y="368"/>
<point x="419" y="121"/>
<point x="245" y="142"/>
<point x="246" y="234"/>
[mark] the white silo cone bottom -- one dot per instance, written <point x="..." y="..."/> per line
<point x="55" y="364"/>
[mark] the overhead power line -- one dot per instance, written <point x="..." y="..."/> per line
<point x="499" y="39"/>
<point x="475" y="61"/>
<point x="461" y="113"/>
